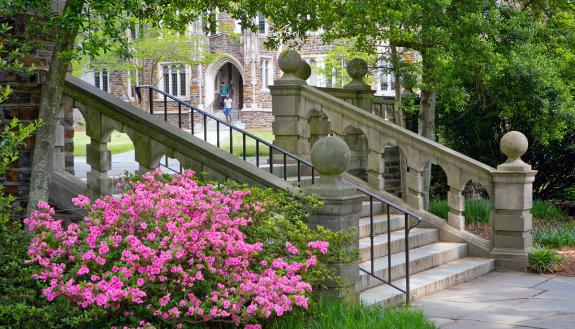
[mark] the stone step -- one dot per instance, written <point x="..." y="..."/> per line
<point x="420" y="259"/>
<point x="430" y="281"/>
<point x="380" y="224"/>
<point x="417" y="237"/>
<point x="378" y="208"/>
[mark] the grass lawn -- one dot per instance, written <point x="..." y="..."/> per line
<point x="266" y="135"/>
<point x="336" y="314"/>
<point x="120" y="143"/>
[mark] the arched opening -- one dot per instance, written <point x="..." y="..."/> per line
<point x="80" y="141"/>
<point x="123" y="155"/>
<point x="228" y="71"/>
<point x="477" y="210"/>
<point x="438" y="189"/>
<point x="357" y="143"/>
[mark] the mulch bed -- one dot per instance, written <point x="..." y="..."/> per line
<point x="480" y="229"/>
<point x="568" y="266"/>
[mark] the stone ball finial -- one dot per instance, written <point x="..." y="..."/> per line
<point x="513" y="144"/>
<point x="330" y="155"/>
<point x="357" y="68"/>
<point x="289" y="61"/>
<point x="304" y="71"/>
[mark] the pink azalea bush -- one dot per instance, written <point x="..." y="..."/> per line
<point x="169" y="251"/>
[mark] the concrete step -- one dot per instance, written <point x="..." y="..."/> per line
<point x="430" y="281"/>
<point x="417" y="237"/>
<point x="420" y="259"/>
<point x="378" y="208"/>
<point x="380" y="224"/>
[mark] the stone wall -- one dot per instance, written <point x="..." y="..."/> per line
<point x="256" y="119"/>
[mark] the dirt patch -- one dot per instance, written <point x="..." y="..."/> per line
<point x="568" y="266"/>
<point x="480" y="229"/>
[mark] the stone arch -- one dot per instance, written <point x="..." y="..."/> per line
<point x="212" y="72"/>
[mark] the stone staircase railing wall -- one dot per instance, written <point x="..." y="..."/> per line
<point x="304" y="113"/>
<point x="152" y="139"/>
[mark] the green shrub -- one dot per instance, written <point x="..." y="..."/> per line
<point x="21" y="302"/>
<point x="555" y="235"/>
<point x="439" y="208"/>
<point x="545" y="210"/>
<point x="477" y="211"/>
<point x="337" y="314"/>
<point x="543" y="260"/>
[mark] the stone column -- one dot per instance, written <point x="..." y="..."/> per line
<point x="456" y="202"/>
<point x="100" y="159"/>
<point x="357" y="70"/>
<point x="513" y="198"/>
<point x="290" y="126"/>
<point x="376" y="167"/>
<point x="414" y="187"/>
<point x="342" y="204"/>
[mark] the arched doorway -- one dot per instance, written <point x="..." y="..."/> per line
<point x="229" y="71"/>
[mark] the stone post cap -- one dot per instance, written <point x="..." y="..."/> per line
<point x="330" y="156"/>
<point x="357" y="70"/>
<point x="514" y="145"/>
<point x="289" y="62"/>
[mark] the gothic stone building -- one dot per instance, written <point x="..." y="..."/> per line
<point x="245" y="65"/>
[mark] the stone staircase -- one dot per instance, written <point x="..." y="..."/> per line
<point x="434" y="265"/>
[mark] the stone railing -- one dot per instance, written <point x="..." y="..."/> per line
<point x="304" y="114"/>
<point x="152" y="139"/>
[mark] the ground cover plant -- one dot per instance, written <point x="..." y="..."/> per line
<point x="337" y="314"/>
<point x="172" y="252"/>
<point x="543" y="260"/>
<point x="237" y="139"/>
<point x="476" y="211"/>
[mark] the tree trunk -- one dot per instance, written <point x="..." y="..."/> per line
<point x="42" y="160"/>
<point x="426" y="121"/>
<point x="398" y="113"/>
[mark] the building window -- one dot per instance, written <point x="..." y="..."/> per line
<point x="101" y="80"/>
<point x="262" y="23"/>
<point x="312" y="80"/>
<point x="386" y="79"/>
<point x="267" y="74"/>
<point x="175" y="81"/>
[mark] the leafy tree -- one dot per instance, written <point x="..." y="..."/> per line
<point x="90" y="28"/>
<point x="528" y="87"/>
<point x="151" y="47"/>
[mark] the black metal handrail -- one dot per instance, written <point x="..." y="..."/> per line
<point x="284" y="156"/>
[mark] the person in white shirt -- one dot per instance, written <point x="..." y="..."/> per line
<point x="228" y="108"/>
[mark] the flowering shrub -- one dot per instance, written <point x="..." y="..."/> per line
<point x="173" y="252"/>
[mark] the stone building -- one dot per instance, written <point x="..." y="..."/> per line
<point x="245" y="65"/>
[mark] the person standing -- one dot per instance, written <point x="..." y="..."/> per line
<point x="228" y="108"/>
<point x="224" y="92"/>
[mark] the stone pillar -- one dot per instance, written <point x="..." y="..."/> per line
<point x="342" y="204"/>
<point x="357" y="70"/>
<point x="100" y="159"/>
<point x="414" y="187"/>
<point x="290" y="126"/>
<point x="513" y="198"/>
<point x="456" y="202"/>
<point x="375" y="166"/>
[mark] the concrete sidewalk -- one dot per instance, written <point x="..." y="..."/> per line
<point x="504" y="300"/>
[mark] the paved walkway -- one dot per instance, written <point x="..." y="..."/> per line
<point x="505" y="300"/>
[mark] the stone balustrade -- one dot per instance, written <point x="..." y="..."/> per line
<point x="303" y="114"/>
<point x="152" y="139"/>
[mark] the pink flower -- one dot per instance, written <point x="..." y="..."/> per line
<point x="320" y="245"/>
<point x="292" y="249"/>
<point x="83" y="270"/>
